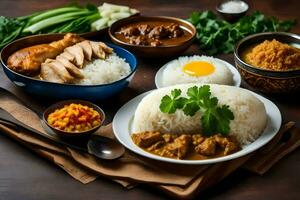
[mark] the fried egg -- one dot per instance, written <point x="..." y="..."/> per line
<point x="196" y="69"/>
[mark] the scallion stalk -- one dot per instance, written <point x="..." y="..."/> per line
<point x="54" y="12"/>
<point x="55" y="20"/>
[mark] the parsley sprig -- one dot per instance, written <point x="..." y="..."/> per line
<point x="215" y="119"/>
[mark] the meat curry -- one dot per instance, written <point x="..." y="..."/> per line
<point x="153" y="33"/>
<point x="186" y="146"/>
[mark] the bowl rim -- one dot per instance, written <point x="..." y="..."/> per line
<point x="133" y="70"/>
<point x="248" y="66"/>
<point x="61" y="104"/>
<point x="218" y="8"/>
<point x="116" y="24"/>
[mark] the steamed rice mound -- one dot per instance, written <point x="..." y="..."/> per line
<point x="173" y="74"/>
<point x="249" y="112"/>
<point x="108" y="70"/>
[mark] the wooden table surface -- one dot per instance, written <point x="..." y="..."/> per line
<point x="24" y="175"/>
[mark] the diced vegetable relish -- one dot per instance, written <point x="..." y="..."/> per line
<point x="74" y="118"/>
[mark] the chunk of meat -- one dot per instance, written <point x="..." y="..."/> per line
<point x="146" y="139"/>
<point x="130" y="31"/>
<point x="58" y="68"/>
<point x="68" y="56"/>
<point x="179" y="148"/>
<point x="158" y="32"/>
<point x="197" y="139"/>
<point x="87" y="49"/>
<point x="155" y="147"/>
<point x="98" y="51"/>
<point x="72" y="69"/>
<point x="106" y="48"/>
<point x="144" y="29"/>
<point x="28" y="60"/>
<point x="155" y="43"/>
<point x="49" y="74"/>
<point x="174" y="30"/>
<point x="229" y="145"/>
<point x="139" y="40"/>
<point x="77" y="52"/>
<point x="207" y="147"/>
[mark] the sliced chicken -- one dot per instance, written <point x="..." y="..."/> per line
<point x="106" y="48"/>
<point x="98" y="51"/>
<point x="72" y="69"/>
<point x="59" y="69"/>
<point x="28" y="60"/>
<point x="77" y="52"/>
<point x="68" y="56"/>
<point x="87" y="49"/>
<point x="49" y="74"/>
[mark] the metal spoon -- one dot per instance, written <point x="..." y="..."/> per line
<point x="99" y="146"/>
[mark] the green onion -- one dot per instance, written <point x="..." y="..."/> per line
<point x="52" y="13"/>
<point x="54" y="20"/>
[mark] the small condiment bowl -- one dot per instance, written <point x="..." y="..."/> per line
<point x="63" y="133"/>
<point x="153" y="51"/>
<point x="232" y="16"/>
<point x="264" y="80"/>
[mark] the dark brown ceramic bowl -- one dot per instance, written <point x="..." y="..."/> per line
<point x="150" y="51"/>
<point x="231" y="17"/>
<point x="61" y="104"/>
<point x="268" y="81"/>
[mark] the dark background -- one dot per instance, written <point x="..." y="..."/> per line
<point x="24" y="175"/>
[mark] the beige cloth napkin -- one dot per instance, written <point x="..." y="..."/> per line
<point x="177" y="180"/>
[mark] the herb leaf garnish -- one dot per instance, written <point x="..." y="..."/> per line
<point x="215" y="119"/>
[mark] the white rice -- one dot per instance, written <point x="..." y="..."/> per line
<point x="173" y="73"/>
<point x="249" y="112"/>
<point x="100" y="71"/>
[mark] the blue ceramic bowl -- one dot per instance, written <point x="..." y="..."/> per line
<point x="64" y="91"/>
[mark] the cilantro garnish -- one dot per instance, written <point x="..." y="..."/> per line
<point x="215" y="119"/>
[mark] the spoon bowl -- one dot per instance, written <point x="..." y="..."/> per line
<point x="105" y="148"/>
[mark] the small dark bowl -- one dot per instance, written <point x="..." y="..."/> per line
<point x="150" y="51"/>
<point x="231" y="17"/>
<point x="61" y="104"/>
<point x="268" y="81"/>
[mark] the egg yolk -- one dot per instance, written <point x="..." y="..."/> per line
<point x="198" y="68"/>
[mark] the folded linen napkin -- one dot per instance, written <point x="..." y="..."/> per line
<point x="177" y="180"/>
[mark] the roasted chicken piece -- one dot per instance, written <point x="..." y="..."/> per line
<point x="28" y="60"/>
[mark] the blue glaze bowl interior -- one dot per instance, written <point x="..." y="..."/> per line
<point x="65" y="91"/>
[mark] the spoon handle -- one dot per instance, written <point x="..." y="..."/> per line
<point x="10" y="119"/>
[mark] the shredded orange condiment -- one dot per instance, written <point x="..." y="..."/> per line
<point x="74" y="118"/>
<point x="274" y="55"/>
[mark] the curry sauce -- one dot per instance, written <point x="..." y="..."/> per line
<point x="186" y="146"/>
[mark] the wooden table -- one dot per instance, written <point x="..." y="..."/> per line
<point x="24" y="175"/>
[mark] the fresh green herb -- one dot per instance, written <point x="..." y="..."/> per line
<point x="169" y="104"/>
<point x="218" y="36"/>
<point x="215" y="119"/>
<point x="10" y="29"/>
